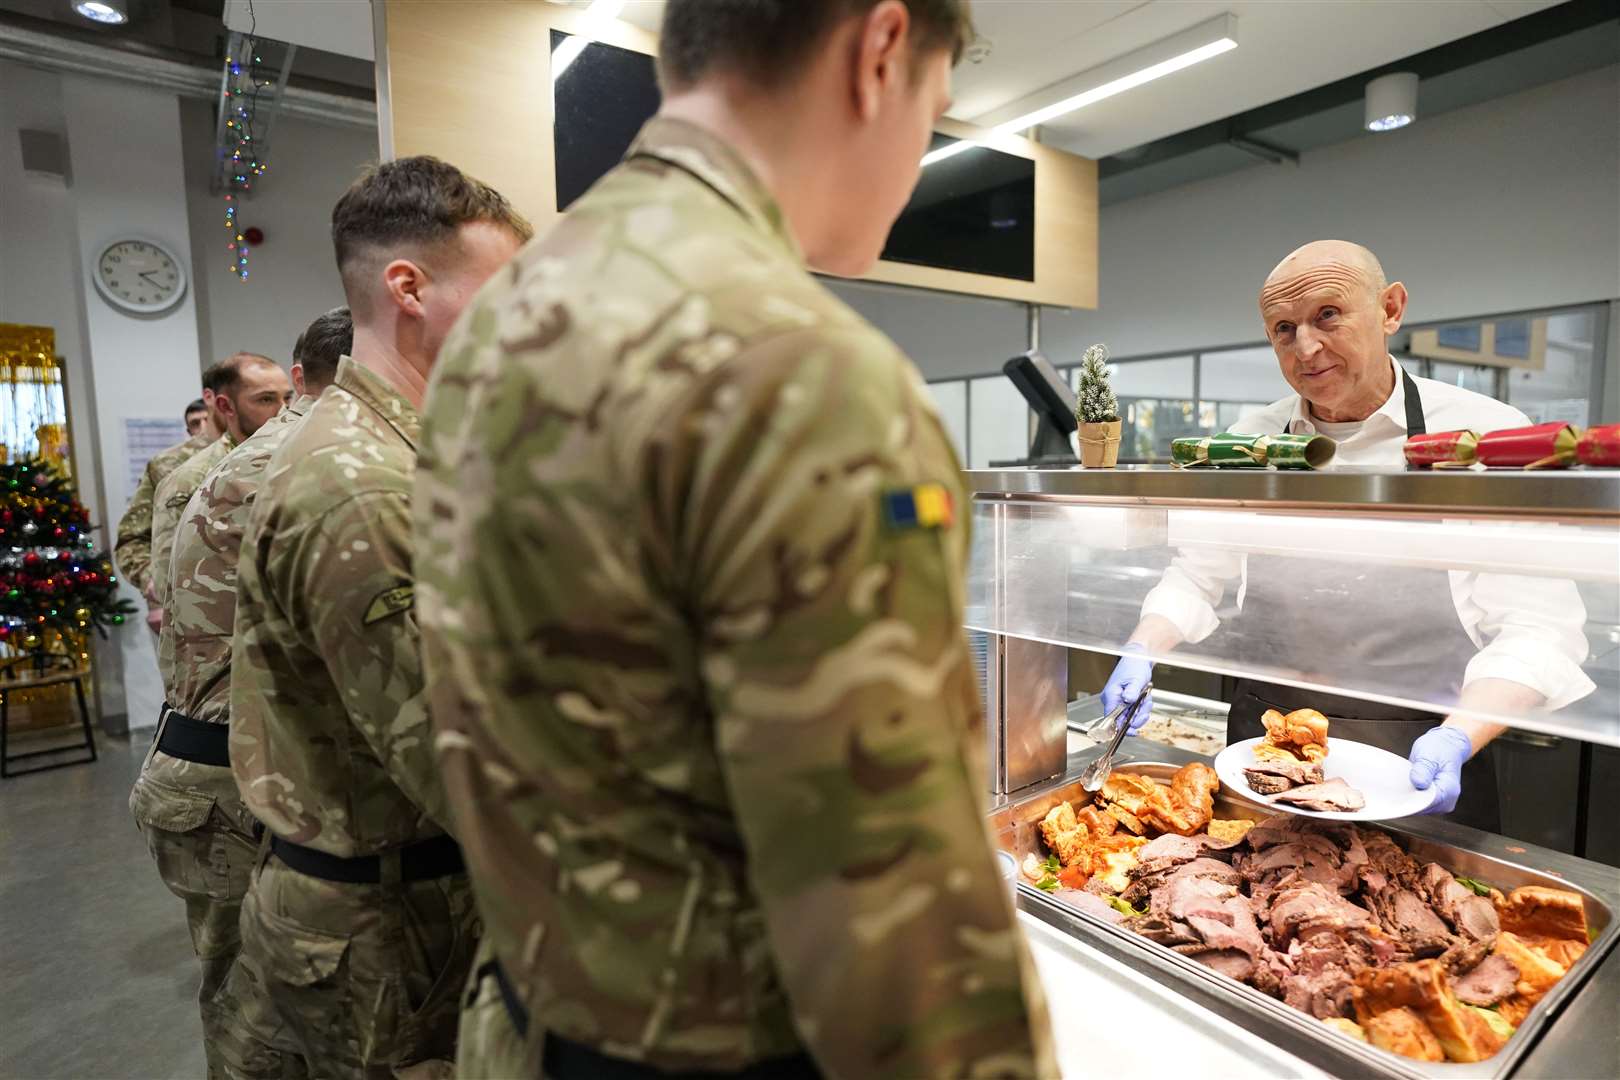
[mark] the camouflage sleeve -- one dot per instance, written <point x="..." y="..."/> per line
<point x="168" y="504"/>
<point x="132" y="549"/>
<point x="847" y="717"/>
<point x="347" y="580"/>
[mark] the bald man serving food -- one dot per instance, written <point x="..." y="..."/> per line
<point x="1516" y="643"/>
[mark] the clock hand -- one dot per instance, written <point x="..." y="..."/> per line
<point x="147" y="275"/>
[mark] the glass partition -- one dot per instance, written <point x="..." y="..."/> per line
<point x="1391" y="607"/>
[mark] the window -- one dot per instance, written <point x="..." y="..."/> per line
<point x="951" y="398"/>
<point x="1235" y="382"/>
<point x="998" y="422"/>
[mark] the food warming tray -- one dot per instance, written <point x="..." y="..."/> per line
<point x="1504" y="863"/>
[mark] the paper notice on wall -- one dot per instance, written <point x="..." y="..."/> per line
<point x="145" y="438"/>
<point x="1567" y="410"/>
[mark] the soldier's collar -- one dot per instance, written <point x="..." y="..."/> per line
<point x="381" y="397"/>
<point x="713" y="161"/>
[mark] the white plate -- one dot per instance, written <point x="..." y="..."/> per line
<point x="1382" y="777"/>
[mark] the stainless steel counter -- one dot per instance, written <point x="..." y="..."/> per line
<point x="1575" y="493"/>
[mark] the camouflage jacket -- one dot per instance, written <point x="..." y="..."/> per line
<point x="194" y="652"/>
<point x="169" y="503"/>
<point x="692" y="588"/>
<point x="329" y="731"/>
<point x="132" y="549"/>
<point x="171" y="793"/>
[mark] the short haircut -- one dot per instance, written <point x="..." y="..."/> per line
<point x="322" y="344"/>
<point x="223" y="377"/>
<point x="768" y="41"/>
<point x="197" y="406"/>
<point x="410" y="206"/>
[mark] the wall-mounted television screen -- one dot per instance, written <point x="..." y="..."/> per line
<point x="974" y="211"/>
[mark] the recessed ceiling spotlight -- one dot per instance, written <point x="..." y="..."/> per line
<point x="106" y="12"/>
<point x="1392" y="101"/>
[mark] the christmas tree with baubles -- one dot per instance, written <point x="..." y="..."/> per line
<point x="54" y="585"/>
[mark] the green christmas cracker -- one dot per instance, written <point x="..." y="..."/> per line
<point x="1228" y="451"/>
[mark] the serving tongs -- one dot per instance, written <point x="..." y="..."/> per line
<point x="1097" y="772"/>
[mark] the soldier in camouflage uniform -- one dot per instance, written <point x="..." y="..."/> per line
<point x="251" y="390"/>
<point x="691" y="571"/>
<point x="360" y="926"/>
<point x="185" y="800"/>
<point x="132" y="549"/>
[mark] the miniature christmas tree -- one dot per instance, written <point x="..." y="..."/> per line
<point x="1097" y="404"/>
<point x="54" y="584"/>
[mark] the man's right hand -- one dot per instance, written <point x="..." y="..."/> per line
<point x="1131" y="674"/>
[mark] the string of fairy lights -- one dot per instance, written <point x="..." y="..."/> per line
<point x="243" y="82"/>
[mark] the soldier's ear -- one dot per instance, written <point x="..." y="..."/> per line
<point x="404" y="280"/>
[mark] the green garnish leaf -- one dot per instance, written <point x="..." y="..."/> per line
<point x="1495" y="1020"/>
<point x="1122" y="907"/>
<point x="1052" y="866"/>
<point x="1478" y="887"/>
<point x="1047" y="884"/>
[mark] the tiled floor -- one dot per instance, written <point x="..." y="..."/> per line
<point x="97" y="976"/>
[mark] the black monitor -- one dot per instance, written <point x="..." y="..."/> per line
<point x="1049" y="394"/>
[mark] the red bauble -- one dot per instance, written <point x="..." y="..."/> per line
<point x="31" y="558"/>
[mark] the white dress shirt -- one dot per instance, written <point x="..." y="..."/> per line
<point x="1529" y="630"/>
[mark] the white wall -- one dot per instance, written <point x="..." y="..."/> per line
<point x="41" y="284"/>
<point x="1511" y="204"/>
<point x="124" y="143"/>
<point x="39" y="253"/>
<point x="292" y="277"/>
<point x="140" y="162"/>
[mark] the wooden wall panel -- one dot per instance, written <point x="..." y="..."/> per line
<point x="470" y="81"/>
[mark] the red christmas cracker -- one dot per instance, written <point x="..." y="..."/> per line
<point x="1543" y="446"/>
<point x="1600" y="446"/>
<point x="1441" y="449"/>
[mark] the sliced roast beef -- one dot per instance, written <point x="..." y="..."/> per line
<point x="1233" y="963"/>
<point x="1490" y="982"/>
<point x="1322" y="976"/>
<point x="1404" y="915"/>
<point x="1265" y="783"/>
<point x="1270" y="777"/>
<point x="1384" y="856"/>
<point x="1469" y="914"/>
<point x="1278" y="829"/>
<point x="1163" y="930"/>
<point x="1330" y="795"/>
<point x="1151" y="885"/>
<point x="1091" y="904"/>
<point x="1308" y="908"/>
<point x="1464" y="955"/>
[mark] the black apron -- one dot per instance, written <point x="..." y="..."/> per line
<point x="1354" y="609"/>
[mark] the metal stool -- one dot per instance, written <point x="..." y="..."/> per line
<point x="41" y="675"/>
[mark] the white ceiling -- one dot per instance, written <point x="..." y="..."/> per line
<point x="1284" y="47"/>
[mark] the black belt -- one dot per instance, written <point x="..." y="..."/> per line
<point x="194" y="740"/>
<point x="564" y="1059"/>
<point x="422" y="861"/>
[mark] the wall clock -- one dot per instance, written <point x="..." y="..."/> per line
<point x="139" y="276"/>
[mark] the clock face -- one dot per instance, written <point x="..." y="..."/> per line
<point x="139" y="276"/>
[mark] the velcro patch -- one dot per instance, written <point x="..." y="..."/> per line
<point x="390" y="602"/>
<point x="926" y="506"/>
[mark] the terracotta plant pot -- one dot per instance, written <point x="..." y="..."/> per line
<point x="1097" y="445"/>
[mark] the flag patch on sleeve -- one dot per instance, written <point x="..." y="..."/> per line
<point x="926" y="506"/>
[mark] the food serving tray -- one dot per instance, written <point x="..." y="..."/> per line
<point x="1504" y="863"/>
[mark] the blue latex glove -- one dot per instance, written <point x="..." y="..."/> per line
<point x="1131" y="674"/>
<point x="1437" y="759"/>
